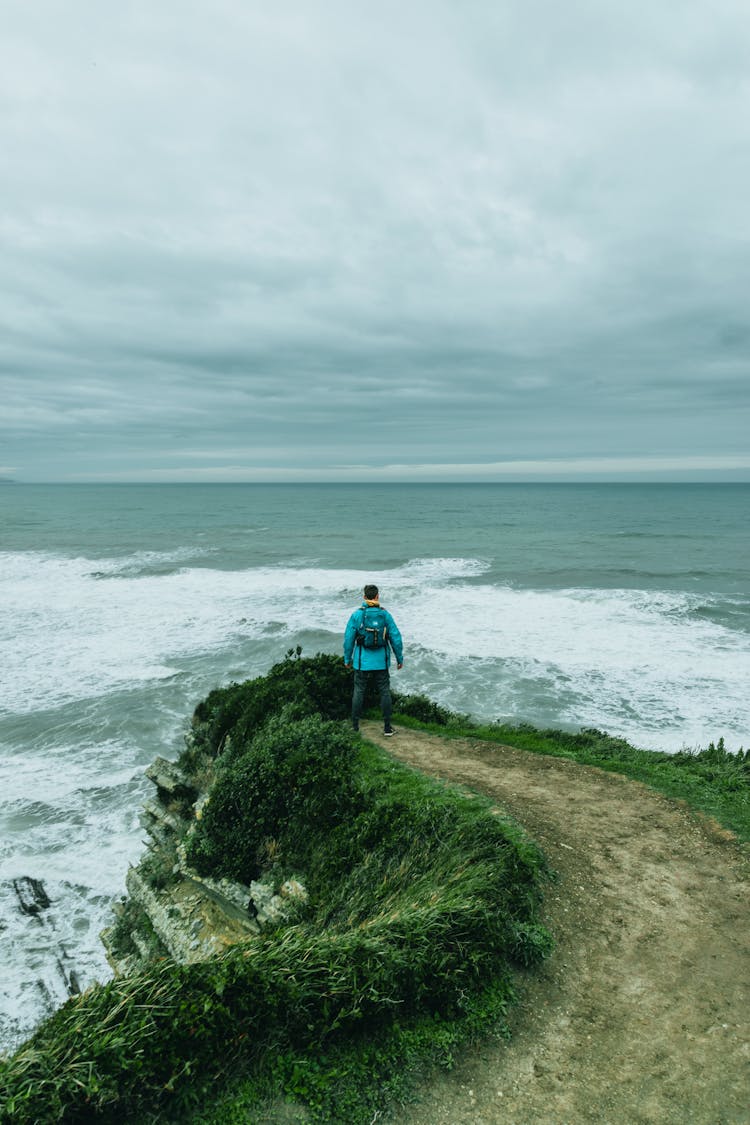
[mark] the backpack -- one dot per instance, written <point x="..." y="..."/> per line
<point x="372" y="632"/>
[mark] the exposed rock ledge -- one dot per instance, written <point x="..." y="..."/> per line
<point x="171" y="910"/>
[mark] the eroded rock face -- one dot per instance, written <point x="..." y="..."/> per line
<point x="169" y="779"/>
<point x="191" y="923"/>
<point x="171" y="910"/>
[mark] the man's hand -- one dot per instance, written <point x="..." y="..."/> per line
<point x="399" y="666"/>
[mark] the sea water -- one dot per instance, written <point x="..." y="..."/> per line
<point x="624" y="607"/>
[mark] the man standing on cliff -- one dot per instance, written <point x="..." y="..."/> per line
<point x="370" y="635"/>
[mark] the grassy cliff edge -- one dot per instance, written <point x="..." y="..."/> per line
<point x="419" y="899"/>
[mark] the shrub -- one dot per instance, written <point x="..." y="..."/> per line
<point x="425" y="710"/>
<point x="293" y="781"/>
<point x="316" y="685"/>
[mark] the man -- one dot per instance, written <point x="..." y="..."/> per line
<point x="370" y="635"/>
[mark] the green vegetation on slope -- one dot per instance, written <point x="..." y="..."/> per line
<point x="420" y="900"/>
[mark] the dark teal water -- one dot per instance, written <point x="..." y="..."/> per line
<point x="550" y="535"/>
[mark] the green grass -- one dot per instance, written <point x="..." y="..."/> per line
<point x="353" y="1080"/>
<point x="421" y="902"/>
<point x="711" y="781"/>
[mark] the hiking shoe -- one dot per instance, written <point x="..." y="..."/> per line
<point x="388" y="732"/>
<point x="355" y="727"/>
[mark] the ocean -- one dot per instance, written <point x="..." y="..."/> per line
<point x="623" y="607"/>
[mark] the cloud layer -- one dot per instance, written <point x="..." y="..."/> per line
<point x="336" y="242"/>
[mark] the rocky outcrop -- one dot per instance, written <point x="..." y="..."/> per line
<point x="191" y="922"/>
<point x="31" y="895"/>
<point x="172" y="911"/>
<point x="171" y="782"/>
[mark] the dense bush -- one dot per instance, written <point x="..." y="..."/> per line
<point x="314" y="685"/>
<point x="425" y="710"/>
<point x="293" y="781"/>
<point x="353" y="821"/>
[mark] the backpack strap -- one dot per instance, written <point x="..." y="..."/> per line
<point x="363" y="626"/>
<point x="358" y="640"/>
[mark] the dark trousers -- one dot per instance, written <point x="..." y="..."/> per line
<point x="382" y="682"/>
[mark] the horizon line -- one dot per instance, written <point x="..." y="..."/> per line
<point x="375" y="480"/>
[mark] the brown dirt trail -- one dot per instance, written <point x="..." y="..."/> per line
<point x="642" y="1014"/>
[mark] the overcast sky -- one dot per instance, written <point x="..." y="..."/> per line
<point x="341" y="241"/>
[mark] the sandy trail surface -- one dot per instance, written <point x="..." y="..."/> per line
<point x="642" y="1014"/>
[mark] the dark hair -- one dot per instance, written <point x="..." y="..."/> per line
<point x="371" y="592"/>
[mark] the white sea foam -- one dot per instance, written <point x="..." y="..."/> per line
<point x="76" y="628"/>
<point x="69" y="816"/>
<point x="638" y="662"/>
<point x="41" y="951"/>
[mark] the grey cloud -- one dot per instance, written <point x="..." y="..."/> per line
<point x="515" y="229"/>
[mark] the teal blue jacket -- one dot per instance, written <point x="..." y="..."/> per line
<point x="372" y="659"/>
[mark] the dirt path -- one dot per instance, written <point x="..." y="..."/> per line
<point x="642" y="1014"/>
